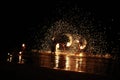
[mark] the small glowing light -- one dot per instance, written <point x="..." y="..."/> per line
<point x="10" y="58"/>
<point x="81" y="47"/>
<point x="20" y="58"/>
<point x="68" y="44"/>
<point x="57" y="46"/>
<point x="23" y="45"/>
<point x="81" y="54"/>
<point x="8" y="53"/>
<point x="20" y="52"/>
<point x="107" y="55"/>
<point x="53" y="38"/>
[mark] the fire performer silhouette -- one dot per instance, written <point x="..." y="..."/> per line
<point x="53" y="46"/>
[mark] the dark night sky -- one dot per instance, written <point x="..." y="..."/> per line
<point x="16" y="20"/>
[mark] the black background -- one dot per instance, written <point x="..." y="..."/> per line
<point x="18" y="18"/>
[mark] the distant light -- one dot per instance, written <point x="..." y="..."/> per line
<point x="53" y="38"/>
<point x="20" y="52"/>
<point x="23" y="45"/>
<point x="8" y="53"/>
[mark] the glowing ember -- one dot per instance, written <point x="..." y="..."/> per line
<point x="68" y="44"/>
<point x="81" y="54"/>
<point x="23" y="45"/>
<point x="57" y="47"/>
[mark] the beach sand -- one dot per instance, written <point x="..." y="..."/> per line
<point x="32" y="72"/>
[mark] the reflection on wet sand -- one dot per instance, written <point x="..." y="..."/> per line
<point x="74" y="63"/>
<point x="70" y="62"/>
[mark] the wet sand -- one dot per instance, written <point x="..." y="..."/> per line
<point x="32" y="72"/>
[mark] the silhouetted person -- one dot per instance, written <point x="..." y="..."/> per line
<point x="53" y="47"/>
